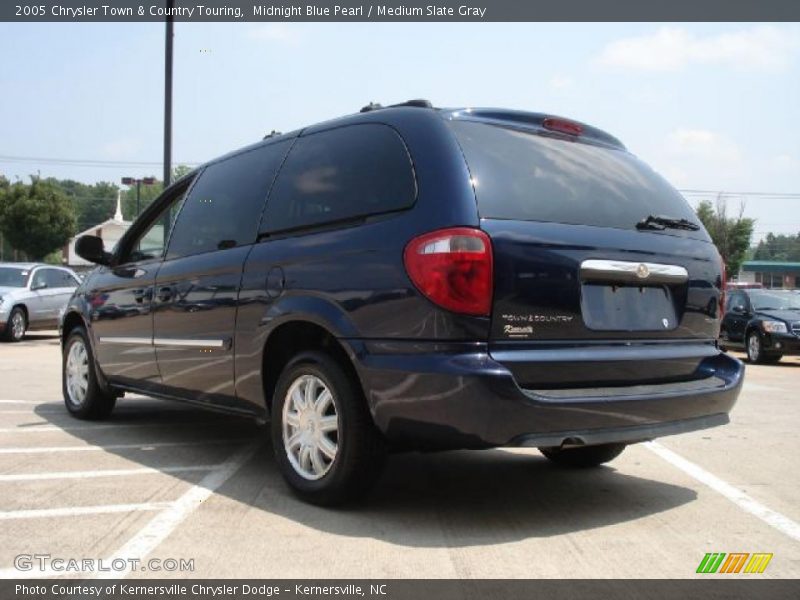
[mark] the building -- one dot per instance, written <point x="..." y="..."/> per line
<point x="771" y="274"/>
<point x="111" y="231"/>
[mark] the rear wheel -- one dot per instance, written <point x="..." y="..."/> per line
<point x="585" y="456"/>
<point x="83" y="396"/>
<point x="325" y="442"/>
<point x="16" y="325"/>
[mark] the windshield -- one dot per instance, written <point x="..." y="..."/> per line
<point x="13" y="277"/>
<point x="775" y="300"/>
<point x="530" y="177"/>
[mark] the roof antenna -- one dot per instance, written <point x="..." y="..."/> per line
<point x="272" y="133"/>
<point x="371" y="106"/>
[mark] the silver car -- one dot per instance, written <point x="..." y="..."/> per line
<point x="32" y="296"/>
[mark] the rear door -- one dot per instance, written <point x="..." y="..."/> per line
<point x="582" y="296"/>
<point x="197" y="287"/>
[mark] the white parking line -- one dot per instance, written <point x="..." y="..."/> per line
<point x="137" y="446"/>
<point x="164" y="523"/>
<point x="51" y="428"/>
<point x="24" y="402"/>
<point x="775" y="519"/>
<point x="102" y="473"/>
<point x="74" y="511"/>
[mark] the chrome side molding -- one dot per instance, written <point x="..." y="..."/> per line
<point x="146" y="341"/>
<point x="620" y="271"/>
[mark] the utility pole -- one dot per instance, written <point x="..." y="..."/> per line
<point x="168" y="95"/>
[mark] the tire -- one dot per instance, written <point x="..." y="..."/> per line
<point x="16" y="326"/>
<point x="83" y="396"/>
<point x="346" y="463"/>
<point x="583" y="457"/>
<point x="755" y="347"/>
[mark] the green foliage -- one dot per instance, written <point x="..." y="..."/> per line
<point x="784" y="248"/>
<point x="37" y="218"/>
<point x="731" y="235"/>
<point x="91" y="203"/>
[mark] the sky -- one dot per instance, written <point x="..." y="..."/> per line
<point x="712" y="107"/>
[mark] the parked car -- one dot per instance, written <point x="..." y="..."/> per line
<point x="764" y="323"/>
<point x="414" y="278"/>
<point x="32" y="296"/>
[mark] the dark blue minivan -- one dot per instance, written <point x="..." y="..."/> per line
<point x="413" y="278"/>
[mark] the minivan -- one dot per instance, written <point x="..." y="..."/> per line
<point x="413" y="278"/>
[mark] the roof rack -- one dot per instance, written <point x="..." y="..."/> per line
<point x="417" y="102"/>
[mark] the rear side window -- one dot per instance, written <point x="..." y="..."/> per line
<point x="224" y="206"/>
<point x="530" y="177"/>
<point x="340" y="174"/>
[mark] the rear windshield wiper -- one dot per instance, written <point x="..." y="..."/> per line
<point x="660" y="222"/>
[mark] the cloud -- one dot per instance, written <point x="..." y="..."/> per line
<point x="673" y="48"/>
<point x="703" y="145"/>
<point x="281" y="33"/>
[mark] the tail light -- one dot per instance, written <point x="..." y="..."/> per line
<point x="453" y="268"/>
<point x="724" y="285"/>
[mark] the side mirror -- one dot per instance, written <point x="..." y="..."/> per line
<point x="38" y="285"/>
<point x="90" y="247"/>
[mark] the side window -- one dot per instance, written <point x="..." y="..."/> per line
<point x="340" y="174"/>
<point x="735" y="299"/>
<point x="152" y="243"/>
<point x="224" y="206"/>
<point x="55" y="278"/>
<point x="39" y="279"/>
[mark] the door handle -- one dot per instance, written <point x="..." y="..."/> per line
<point x="165" y="293"/>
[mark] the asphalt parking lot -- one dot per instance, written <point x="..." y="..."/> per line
<point x="163" y="481"/>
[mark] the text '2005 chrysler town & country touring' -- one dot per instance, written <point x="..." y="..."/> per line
<point x="413" y="278"/>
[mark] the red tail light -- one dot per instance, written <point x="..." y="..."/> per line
<point x="724" y="283"/>
<point x="562" y="126"/>
<point x="453" y="268"/>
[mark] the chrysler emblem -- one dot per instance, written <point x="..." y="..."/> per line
<point x="642" y="272"/>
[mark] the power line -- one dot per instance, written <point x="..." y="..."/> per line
<point x="86" y="162"/>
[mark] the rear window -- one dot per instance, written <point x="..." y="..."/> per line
<point x="530" y="177"/>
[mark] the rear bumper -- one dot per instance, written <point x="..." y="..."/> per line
<point x="457" y="396"/>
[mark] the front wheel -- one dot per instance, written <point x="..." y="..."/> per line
<point x="83" y="396"/>
<point x="325" y="443"/>
<point x="755" y="348"/>
<point x="16" y="325"/>
<point x="585" y="456"/>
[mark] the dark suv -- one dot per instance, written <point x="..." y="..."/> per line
<point x="414" y="278"/>
<point x="765" y="323"/>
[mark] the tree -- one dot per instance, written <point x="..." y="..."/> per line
<point x="37" y="218"/>
<point x="779" y="248"/>
<point x="731" y="235"/>
<point x="91" y="203"/>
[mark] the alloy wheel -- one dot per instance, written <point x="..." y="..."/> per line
<point x="753" y="347"/>
<point x="310" y="425"/>
<point x="17" y="325"/>
<point x="77" y="372"/>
